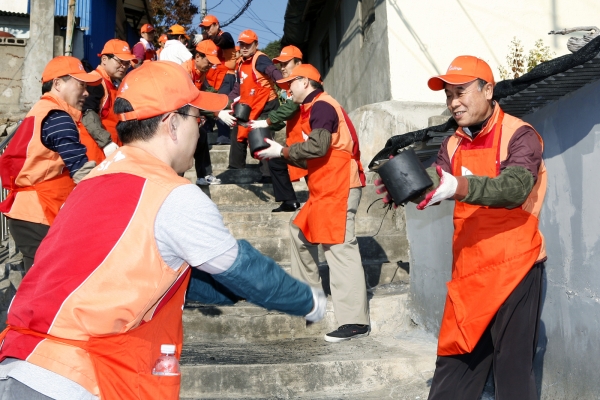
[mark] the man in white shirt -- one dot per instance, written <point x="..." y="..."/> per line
<point x="175" y="49"/>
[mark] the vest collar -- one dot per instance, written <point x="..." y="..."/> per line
<point x="488" y="125"/>
<point x="72" y="111"/>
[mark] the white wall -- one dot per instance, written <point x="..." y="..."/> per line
<point x="425" y="36"/>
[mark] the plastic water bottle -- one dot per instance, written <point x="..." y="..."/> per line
<point x="167" y="364"/>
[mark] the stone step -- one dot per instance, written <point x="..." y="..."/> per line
<point x="219" y="156"/>
<point x="248" y="194"/>
<point x="308" y="368"/>
<point x="250" y="174"/>
<point x="246" y="322"/>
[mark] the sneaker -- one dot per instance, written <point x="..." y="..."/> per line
<point x="202" y="182"/>
<point x="347" y="332"/>
<point x="208" y="180"/>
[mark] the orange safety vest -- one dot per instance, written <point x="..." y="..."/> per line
<point x="217" y="73"/>
<point x="293" y="132"/>
<point x="149" y="54"/>
<point x="493" y="247"/>
<point x="323" y="218"/>
<point x="197" y="76"/>
<point x="256" y="90"/>
<point x="107" y="114"/>
<point x="35" y="176"/>
<point x="100" y="300"/>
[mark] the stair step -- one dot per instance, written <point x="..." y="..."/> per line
<point x="249" y="194"/>
<point x="246" y="322"/>
<point x="219" y="155"/>
<point x="250" y="174"/>
<point x="307" y="368"/>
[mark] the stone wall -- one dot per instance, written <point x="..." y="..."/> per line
<point x="11" y="68"/>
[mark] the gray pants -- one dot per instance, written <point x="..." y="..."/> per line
<point x="346" y="273"/>
<point x="12" y="389"/>
<point x="27" y="236"/>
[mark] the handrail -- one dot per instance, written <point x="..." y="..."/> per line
<point x="10" y="136"/>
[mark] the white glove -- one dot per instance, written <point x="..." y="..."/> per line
<point x="110" y="148"/>
<point x="445" y="190"/>
<point x="258" y="124"/>
<point x="319" y="306"/>
<point x="225" y="116"/>
<point x="273" y="151"/>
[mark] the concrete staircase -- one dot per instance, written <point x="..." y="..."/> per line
<point x="246" y="352"/>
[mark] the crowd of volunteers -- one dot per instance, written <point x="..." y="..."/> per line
<point x="115" y="240"/>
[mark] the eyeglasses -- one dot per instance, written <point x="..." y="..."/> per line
<point x="199" y="118"/>
<point x="122" y="63"/>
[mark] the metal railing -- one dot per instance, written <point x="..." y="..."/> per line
<point x="4" y="192"/>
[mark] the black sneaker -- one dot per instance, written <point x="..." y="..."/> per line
<point x="347" y="332"/>
<point x="287" y="207"/>
<point x="264" y="179"/>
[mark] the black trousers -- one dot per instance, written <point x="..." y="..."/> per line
<point x="202" y="154"/>
<point x="508" y="345"/>
<point x="226" y="87"/>
<point x="27" y="236"/>
<point x="282" y="185"/>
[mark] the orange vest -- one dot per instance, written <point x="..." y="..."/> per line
<point x="100" y="300"/>
<point x="35" y="175"/>
<point x="256" y="90"/>
<point x="149" y="54"/>
<point x="493" y="247"/>
<point x="323" y="218"/>
<point x="293" y="132"/>
<point x="197" y="76"/>
<point x="217" y="73"/>
<point x="107" y="114"/>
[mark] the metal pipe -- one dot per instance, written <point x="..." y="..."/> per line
<point x="70" y="28"/>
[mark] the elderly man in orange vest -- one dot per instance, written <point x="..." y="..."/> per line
<point x="335" y="180"/>
<point x="98" y="116"/>
<point x="49" y="154"/>
<point x="144" y="49"/>
<point x="492" y="166"/>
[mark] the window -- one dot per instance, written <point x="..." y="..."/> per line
<point x="325" y="55"/>
<point x="339" y="24"/>
<point x="368" y="14"/>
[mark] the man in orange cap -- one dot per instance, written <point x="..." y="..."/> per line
<point x="98" y="115"/>
<point x="255" y="85"/>
<point x="49" y="154"/>
<point x="108" y="285"/>
<point x="335" y="180"/>
<point x="282" y="174"/>
<point x="492" y="166"/>
<point x="175" y="49"/>
<point x="161" y="42"/>
<point x="144" y="49"/>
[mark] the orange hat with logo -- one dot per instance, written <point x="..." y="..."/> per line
<point x="210" y="50"/>
<point x="163" y="38"/>
<point x="65" y="65"/>
<point x="287" y="53"/>
<point x="176" y="30"/>
<point x="119" y="49"/>
<point x="248" y="36"/>
<point x="208" y="21"/>
<point x="160" y="87"/>
<point x="463" y="69"/>
<point x="304" y="71"/>
<point x="147" y="28"/>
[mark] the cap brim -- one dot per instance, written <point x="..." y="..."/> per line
<point x="438" y="82"/>
<point x="283" y="59"/>
<point x="213" y="59"/>
<point x="212" y="102"/>
<point x="126" y="57"/>
<point x="206" y="25"/>
<point x="286" y="82"/>
<point x="91" y="79"/>
<point x="246" y="41"/>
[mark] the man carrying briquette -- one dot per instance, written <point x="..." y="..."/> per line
<point x="335" y="180"/>
<point x="107" y="288"/>
<point x="492" y="167"/>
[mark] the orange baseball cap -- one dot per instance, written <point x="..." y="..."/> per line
<point x="463" y="69"/>
<point x="304" y="71"/>
<point x="209" y="20"/>
<point x="65" y="65"/>
<point x="119" y="48"/>
<point x="287" y="53"/>
<point x="147" y="28"/>
<point x="237" y="48"/>
<point x="160" y="87"/>
<point x="163" y="38"/>
<point x="176" y="30"/>
<point x="210" y="50"/>
<point x="248" y="36"/>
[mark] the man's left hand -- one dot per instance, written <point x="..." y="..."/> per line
<point x="255" y="124"/>
<point x="273" y="151"/>
<point x="446" y="189"/>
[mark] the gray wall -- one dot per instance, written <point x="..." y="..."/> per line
<point x="351" y="79"/>
<point x="568" y="357"/>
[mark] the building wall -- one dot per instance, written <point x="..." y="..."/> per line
<point x="11" y="78"/>
<point x="425" y="36"/>
<point x="567" y="361"/>
<point x="360" y="68"/>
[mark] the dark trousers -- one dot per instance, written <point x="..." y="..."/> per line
<point x="27" y="236"/>
<point x="226" y="88"/>
<point x="508" y="345"/>
<point x="282" y="185"/>
<point x="202" y="154"/>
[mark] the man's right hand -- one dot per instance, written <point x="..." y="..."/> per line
<point x="381" y="189"/>
<point x="319" y="306"/>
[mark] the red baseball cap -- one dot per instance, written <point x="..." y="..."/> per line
<point x="248" y="36"/>
<point x="160" y="87"/>
<point x="463" y="69"/>
<point x="210" y="50"/>
<point x="304" y="71"/>
<point x="119" y="49"/>
<point x="147" y="28"/>
<point x="208" y="21"/>
<point x="287" y="53"/>
<point x="71" y="66"/>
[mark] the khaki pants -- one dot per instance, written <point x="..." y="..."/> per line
<point x="346" y="273"/>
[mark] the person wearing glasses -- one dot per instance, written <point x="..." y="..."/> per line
<point x="98" y="115"/>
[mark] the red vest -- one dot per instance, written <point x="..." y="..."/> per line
<point x="293" y="132"/>
<point x="107" y="115"/>
<point x="217" y="73"/>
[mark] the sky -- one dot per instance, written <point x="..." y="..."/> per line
<point x="265" y="17"/>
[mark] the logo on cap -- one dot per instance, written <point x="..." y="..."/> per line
<point x="125" y="48"/>
<point x="245" y="35"/>
<point x="80" y="67"/>
<point x="453" y="68"/>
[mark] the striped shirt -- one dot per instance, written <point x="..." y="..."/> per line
<point x="60" y="134"/>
